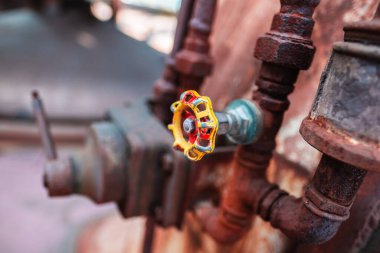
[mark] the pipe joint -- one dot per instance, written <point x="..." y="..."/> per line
<point x="324" y="207"/>
<point x="296" y="221"/>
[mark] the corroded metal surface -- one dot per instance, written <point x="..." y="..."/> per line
<point x="357" y="232"/>
<point x="342" y="147"/>
<point x="347" y="102"/>
<point x="166" y="89"/>
<point x="235" y="69"/>
<point x="274" y="194"/>
<point x="316" y="217"/>
<point x="194" y="61"/>
<point x="233" y="75"/>
<point x="152" y="180"/>
<point x="276" y="78"/>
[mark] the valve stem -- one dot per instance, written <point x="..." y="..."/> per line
<point x="44" y="129"/>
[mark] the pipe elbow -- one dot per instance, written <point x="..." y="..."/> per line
<point x="296" y="221"/>
<point x="288" y="214"/>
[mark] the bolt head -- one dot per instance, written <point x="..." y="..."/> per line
<point x="284" y="52"/>
<point x="188" y="125"/>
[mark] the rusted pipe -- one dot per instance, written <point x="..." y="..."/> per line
<point x="193" y="62"/>
<point x="165" y="89"/>
<point x="285" y="50"/>
<point x="316" y="217"/>
<point x="190" y="62"/>
<point x="350" y="148"/>
<point x="183" y="20"/>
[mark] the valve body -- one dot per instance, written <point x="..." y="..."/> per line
<point x="128" y="160"/>
<point x="195" y="124"/>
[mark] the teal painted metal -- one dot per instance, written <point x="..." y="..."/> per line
<point x="249" y="119"/>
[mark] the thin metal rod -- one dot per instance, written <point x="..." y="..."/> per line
<point x="149" y="235"/>
<point x="43" y="127"/>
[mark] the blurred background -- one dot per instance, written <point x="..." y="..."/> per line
<point x="83" y="57"/>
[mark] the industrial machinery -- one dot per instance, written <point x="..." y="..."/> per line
<point x="195" y="125"/>
<point x="129" y="158"/>
<point x="127" y="162"/>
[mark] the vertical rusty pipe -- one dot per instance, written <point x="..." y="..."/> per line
<point x="348" y="152"/>
<point x="183" y="20"/>
<point x="193" y="62"/>
<point x="165" y="89"/>
<point x="337" y="180"/>
<point x="285" y="50"/>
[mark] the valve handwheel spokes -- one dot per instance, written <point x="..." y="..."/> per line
<point x="194" y="125"/>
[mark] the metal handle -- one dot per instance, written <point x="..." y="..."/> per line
<point x="43" y="127"/>
<point x="195" y="124"/>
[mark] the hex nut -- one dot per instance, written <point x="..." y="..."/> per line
<point x="292" y="54"/>
<point x="188" y="62"/>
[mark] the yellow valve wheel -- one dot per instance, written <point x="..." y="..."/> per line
<point x="194" y="125"/>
